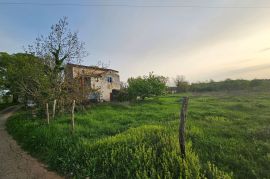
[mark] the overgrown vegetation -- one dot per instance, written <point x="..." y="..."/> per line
<point x="226" y="132"/>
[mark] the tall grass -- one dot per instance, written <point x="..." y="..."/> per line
<point x="149" y="151"/>
<point x="225" y="132"/>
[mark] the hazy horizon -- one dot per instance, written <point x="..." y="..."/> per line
<point x="201" y="40"/>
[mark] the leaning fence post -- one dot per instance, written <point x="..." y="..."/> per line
<point x="72" y="115"/>
<point x="183" y="116"/>
<point x="54" y="106"/>
<point x="47" y="113"/>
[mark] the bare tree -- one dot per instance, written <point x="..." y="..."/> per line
<point x="179" y="79"/>
<point x="59" y="47"/>
<point x="181" y="83"/>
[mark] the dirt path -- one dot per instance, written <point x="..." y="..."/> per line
<point x="14" y="162"/>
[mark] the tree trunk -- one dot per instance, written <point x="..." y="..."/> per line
<point x="54" y="106"/>
<point x="15" y="98"/>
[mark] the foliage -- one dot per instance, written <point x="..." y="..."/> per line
<point x="146" y="86"/>
<point x="2" y="72"/>
<point x="25" y="76"/>
<point x="122" y="95"/>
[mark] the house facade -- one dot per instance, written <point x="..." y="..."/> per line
<point x="101" y="80"/>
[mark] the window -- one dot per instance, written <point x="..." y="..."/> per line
<point x="87" y="81"/>
<point x="109" y="79"/>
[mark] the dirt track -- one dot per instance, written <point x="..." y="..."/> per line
<point x="14" y="162"/>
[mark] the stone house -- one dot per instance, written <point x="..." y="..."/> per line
<point x="103" y="80"/>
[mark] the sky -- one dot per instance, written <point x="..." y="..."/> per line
<point x="200" y="39"/>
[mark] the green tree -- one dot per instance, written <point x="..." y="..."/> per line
<point x="146" y="86"/>
<point x="24" y="76"/>
<point x="2" y="70"/>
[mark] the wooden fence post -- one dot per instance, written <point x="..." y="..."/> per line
<point x="48" y="114"/>
<point x="54" y="106"/>
<point x="72" y="115"/>
<point x="183" y="116"/>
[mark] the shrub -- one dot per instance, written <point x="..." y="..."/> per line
<point x="122" y="95"/>
<point x="147" y="86"/>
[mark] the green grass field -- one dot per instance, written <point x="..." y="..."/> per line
<point x="228" y="135"/>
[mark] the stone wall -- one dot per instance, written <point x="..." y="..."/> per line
<point x="99" y="79"/>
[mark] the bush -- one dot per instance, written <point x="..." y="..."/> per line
<point x="121" y="95"/>
<point x="147" y="86"/>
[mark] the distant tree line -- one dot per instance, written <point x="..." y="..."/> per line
<point x="181" y="85"/>
<point x="230" y="85"/>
